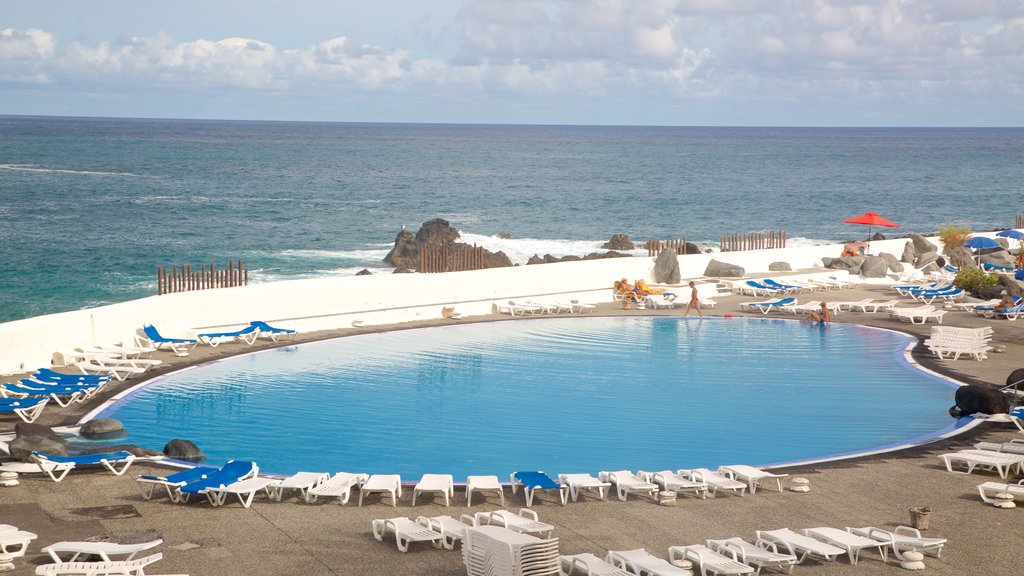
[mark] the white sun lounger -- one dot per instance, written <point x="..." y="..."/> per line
<point x="105" y="550"/>
<point x="709" y="561"/>
<point x="886" y="305"/>
<point x="760" y="556"/>
<point x="578" y="483"/>
<point x="1011" y="447"/>
<point x="118" y="372"/>
<point x="246" y="490"/>
<point x="483" y="484"/>
<point x="642" y="562"/>
<point x="57" y="467"/>
<point x="989" y="490"/>
<point x="382" y="483"/>
<point x="450" y="529"/>
<point x="338" y="486"/>
<point x="1000" y="462"/>
<point x="589" y="565"/>
<point x="526" y="522"/>
<point x="435" y="484"/>
<point x="799" y="545"/>
<point x="669" y="480"/>
<point x="13" y="541"/>
<point x="714" y="480"/>
<point x="406" y="532"/>
<point x="902" y="539"/>
<point x="127" y="567"/>
<point x="852" y="543"/>
<point x="752" y="476"/>
<point x="301" y="481"/>
<point x="628" y="483"/>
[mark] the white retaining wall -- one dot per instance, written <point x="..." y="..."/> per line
<point x="325" y="303"/>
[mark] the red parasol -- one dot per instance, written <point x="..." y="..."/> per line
<point x="870" y="219"/>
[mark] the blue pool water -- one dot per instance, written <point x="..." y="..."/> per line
<point x="560" y="395"/>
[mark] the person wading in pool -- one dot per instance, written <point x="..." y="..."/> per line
<point x="694" y="302"/>
<point x="822" y="316"/>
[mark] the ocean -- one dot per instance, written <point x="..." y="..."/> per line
<point x="91" y="207"/>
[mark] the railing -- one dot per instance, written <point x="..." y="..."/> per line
<point x="753" y="241"/>
<point x="655" y="247"/>
<point x="456" y="258"/>
<point x="184" y="279"/>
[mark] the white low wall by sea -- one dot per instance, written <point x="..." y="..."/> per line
<point x="327" y="303"/>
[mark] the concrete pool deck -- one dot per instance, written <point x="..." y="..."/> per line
<point x="296" y="538"/>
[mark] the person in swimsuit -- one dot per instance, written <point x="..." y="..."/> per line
<point x="822" y="316"/>
<point x="694" y="302"/>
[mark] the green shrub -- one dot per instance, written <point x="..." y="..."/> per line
<point x="973" y="279"/>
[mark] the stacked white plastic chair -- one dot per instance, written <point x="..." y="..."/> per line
<point x="951" y="342"/>
<point x="497" y="551"/>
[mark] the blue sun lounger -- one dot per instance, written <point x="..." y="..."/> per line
<point x="57" y="467"/>
<point x="272" y="332"/>
<point x="176" y="345"/>
<point x="785" y="287"/>
<point x="247" y="335"/>
<point x="768" y="306"/>
<point x="47" y="375"/>
<point x="149" y="482"/>
<point x="28" y="409"/>
<point x="230" y="473"/>
<point x="532" y="480"/>
<point x="29" y="389"/>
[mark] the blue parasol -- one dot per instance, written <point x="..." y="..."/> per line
<point x="979" y="242"/>
<point x="1015" y="234"/>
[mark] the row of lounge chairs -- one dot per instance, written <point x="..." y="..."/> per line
<point x="247" y="334"/>
<point x="29" y="396"/>
<point x="771" y="287"/>
<point x="531" y="308"/>
<point x="113" y="558"/>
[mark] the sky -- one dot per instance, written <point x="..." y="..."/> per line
<point x="632" y="62"/>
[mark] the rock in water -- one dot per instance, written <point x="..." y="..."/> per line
<point x="405" y="253"/>
<point x="437" y="232"/>
<point x="364" y="272"/>
<point x="619" y="242"/>
<point x="666" y="267"/>
<point x="974" y="399"/>
<point x="102" y="428"/>
<point x="724" y="270"/>
<point x="184" y="450"/>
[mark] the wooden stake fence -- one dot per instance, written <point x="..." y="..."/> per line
<point x="184" y="279"/>
<point x="655" y="247"/>
<point x="1019" y="222"/>
<point x="753" y="241"/>
<point x="457" y="258"/>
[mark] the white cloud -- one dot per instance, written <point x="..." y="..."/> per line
<point x="24" y="54"/>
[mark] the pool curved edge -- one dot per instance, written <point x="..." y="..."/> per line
<point x="959" y="426"/>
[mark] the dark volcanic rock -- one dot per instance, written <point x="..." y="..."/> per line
<point x="894" y="264"/>
<point x="874" y="267"/>
<point x="960" y="257"/>
<point x="619" y="242"/>
<point x="436" y="233"/>
<point x="666" y="267"/>
<point x="850" y="263"/>
<point x="184" y="450"/>
<point x="998" y="258"/>
<point x="979" y="399"/>
<point x="1016" y="376"/>
<point x="405" y="253"/>
<point x="909" y="253"/>
<point x="877" y="236"/>
<point x="25" y="429"/>
<point x="926" y="258"/>
<point x="922" y="244"/>
<point x="364" y="272"/>
<point x="137" y="451"/>
<point x="602" y="255"/>
<point x="402" y="271"/>
<point x="719" y="269"/>
<point x="780" y="267"/>
<point x="21" y="448"/>
<point x="102" y="428"/>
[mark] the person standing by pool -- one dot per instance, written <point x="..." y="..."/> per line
<point x="694" y="302"/>
<point x="822" y="316"/>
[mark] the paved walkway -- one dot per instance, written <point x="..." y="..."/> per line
<point x="296" y="538"/>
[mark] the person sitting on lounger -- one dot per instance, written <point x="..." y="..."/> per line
<point x="822" y="316"/>
<point x="1005" y="303"/>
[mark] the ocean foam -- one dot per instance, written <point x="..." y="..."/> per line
<point x="31" y="168"/>
<point x="519" y="250"/>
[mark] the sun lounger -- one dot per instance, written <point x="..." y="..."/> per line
<point x="148" y="483"/>
<point x="709" y="561"/>
<point x="768" y="305"/>
<point x="273" y="332"/>
<point x="450" y="529"/>
<point x="28" y="409"/>
<point x="62" y="395"/>
<point x="483" y="484"/>
<point x="852" y="543"/>
<point x="437" y="484"/>
<point x="134" y="567"/>
<point x="233" y="471"/>
<point x="578" y="483"/>
<point x="972" y="306"/>
<point x="338" y="486"/>
<point x="533" y="480"/>
<point x="799" y="545"/>
<point x="988" y="491"/>
<point x="752" y="476"/>
<point x="628" y="483"/>
<point x="526" y="522"/>
<point x="714" y="481"/>
<point x="48" y="375"/>
<point x="1002" y="463"/>
<point x="765" y="555"/>
<point x="107" y="551"/>
<point x="588" y="565"/>
<point x="178" y="346"/>
<point x="669" y="480"/>
<point x="642" y="562"/>
<point x="902" y="539"/>
<point x="120" y="373"/>
<point x="301" y="481"/>
<point x="382" y="484"/>
<point x="245" y="490"/>
<point x="111" y="360"/>
<point x="1011" y="447"/>
<point x="1011" y="313"/>
<point x="247" y="335"/>
<point x="13" y="541"/>
<point x="57" y="467"/>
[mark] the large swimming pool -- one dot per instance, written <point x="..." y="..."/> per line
<point x="560" y="395"/>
